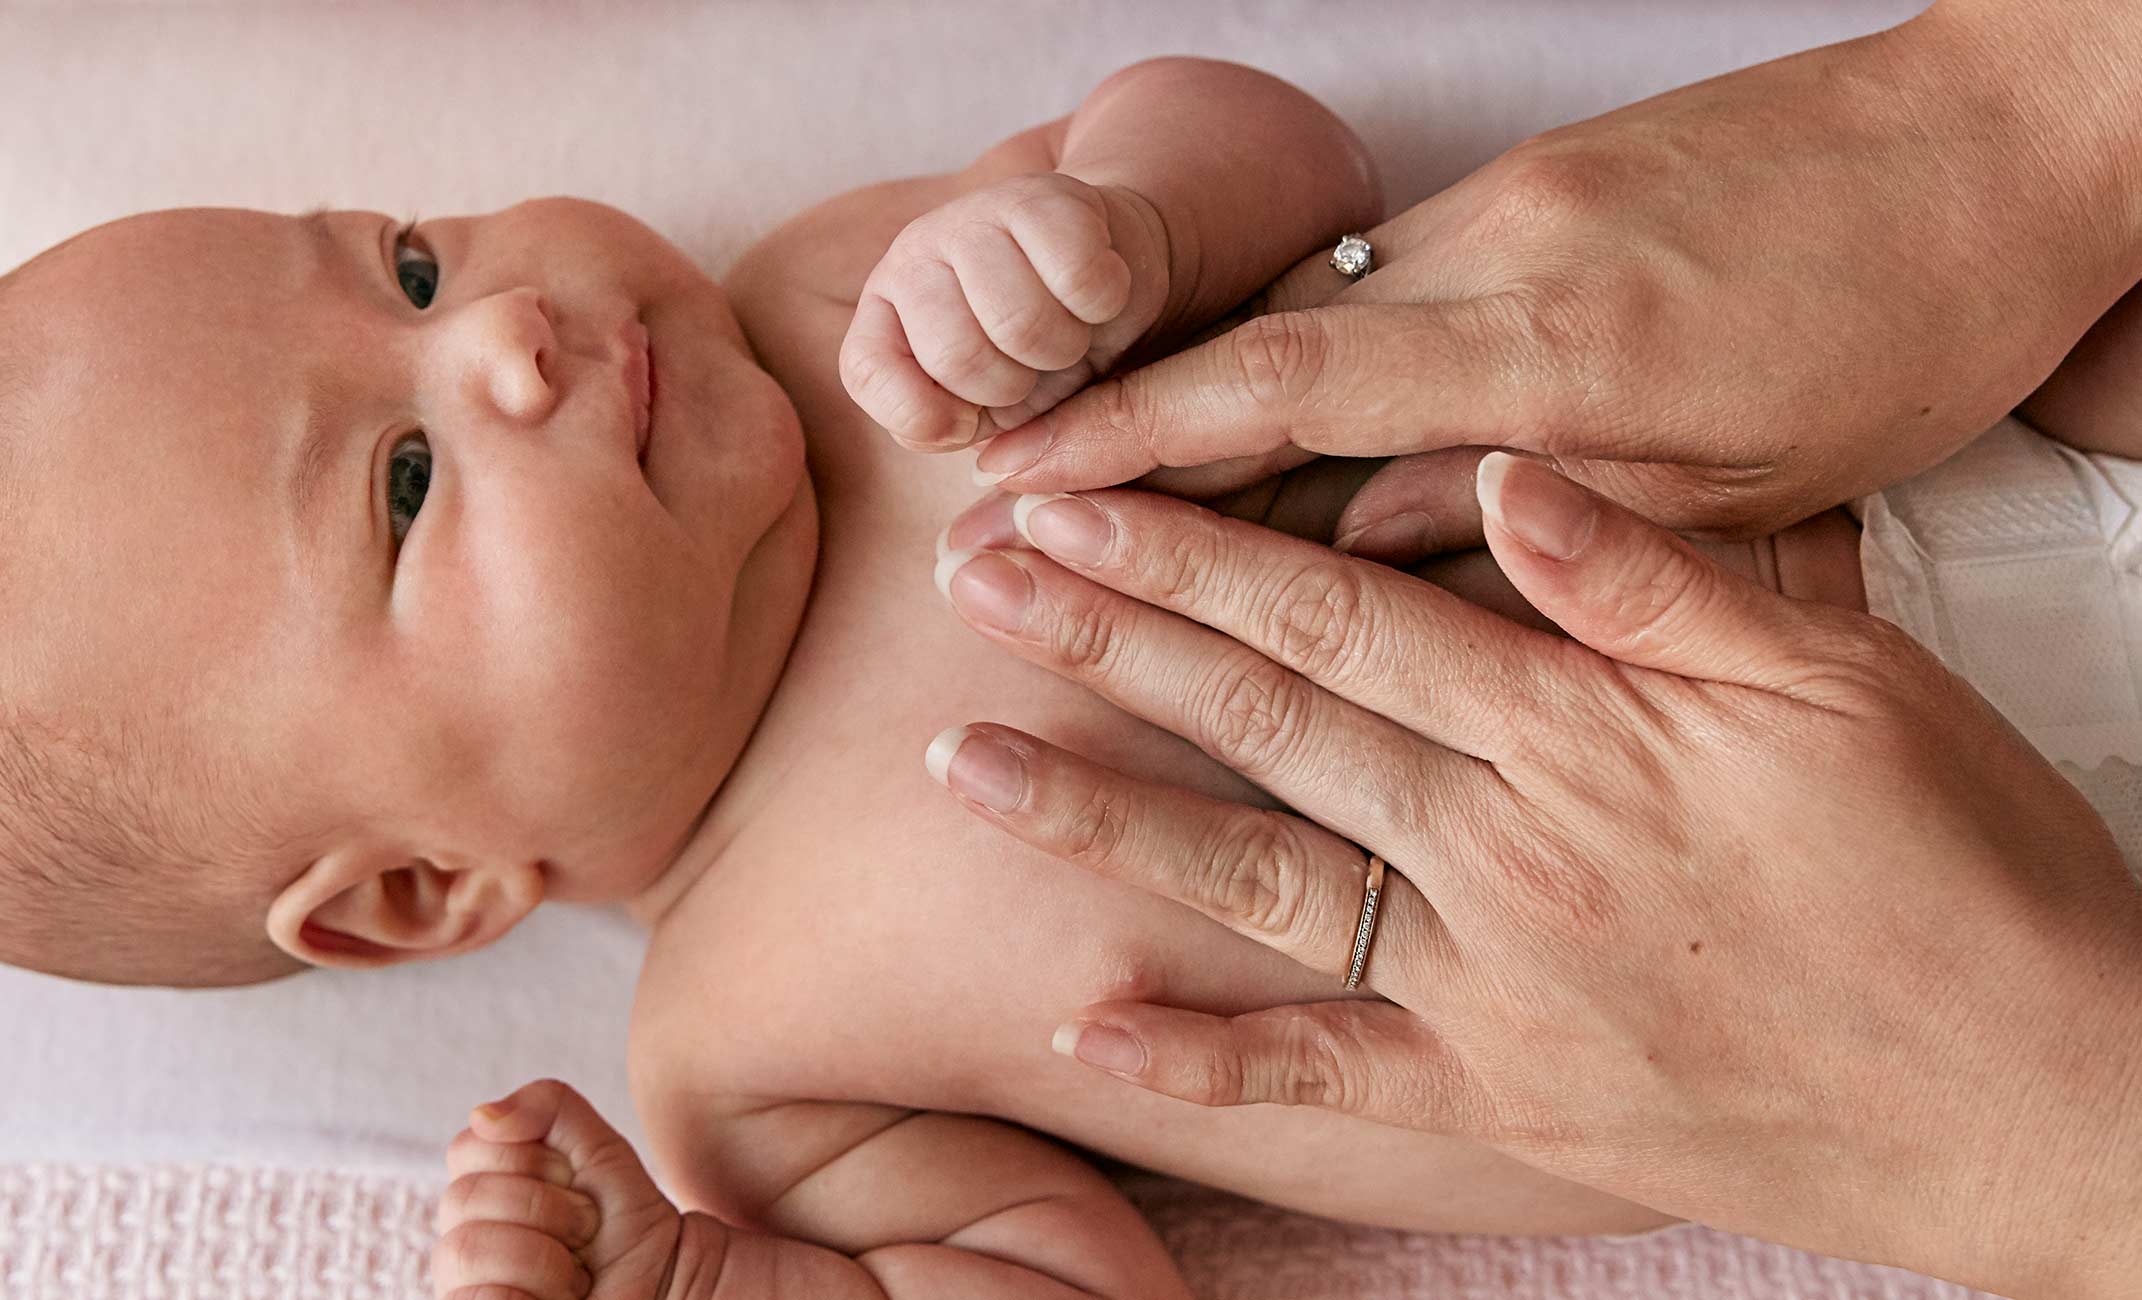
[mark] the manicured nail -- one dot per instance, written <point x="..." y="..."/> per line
<point x="1069" y="528"/>
<point x="985" y="588"/>
<point x="1102" y="1046"/>
<point x="977" y="765"/>
<point x="1008" y="453"/>
<point x="1406" y="535"/>
<point x="1551" y="516"/>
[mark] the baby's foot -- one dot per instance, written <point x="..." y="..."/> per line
<point x="548" y="1202"/>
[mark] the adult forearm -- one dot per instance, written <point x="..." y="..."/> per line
<point x="2049" y="90"/>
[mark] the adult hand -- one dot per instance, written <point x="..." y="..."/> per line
<point x="1734" y="905"/>
<point x="1729" y="306"/>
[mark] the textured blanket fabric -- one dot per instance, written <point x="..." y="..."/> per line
<point x="69" y="1232"/>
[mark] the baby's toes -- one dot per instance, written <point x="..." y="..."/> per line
<point x="1014" y="308"/>
<point x="554" y="1211"/>
<point x="482" y="1258"/>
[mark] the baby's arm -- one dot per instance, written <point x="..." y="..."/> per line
<point x="853" y="1202"/>
<point x="1179" y="188"/>
<point x="2093" y="402"/>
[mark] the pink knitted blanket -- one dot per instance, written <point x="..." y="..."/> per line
<point x="70" y="1232"/>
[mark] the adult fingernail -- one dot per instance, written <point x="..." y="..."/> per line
<point x="985" y="588"/>
<point x="1008" y="453"/>
<point x="1407" y="535"/>
<point x="975" y="764"/>
<point x="1066" y="527"/>
<point x="1102" y="1046"/>
<point x="1545" y="512"/>
<point x="985" y="525"/>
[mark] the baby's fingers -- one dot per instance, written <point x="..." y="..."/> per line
<point x="1015" y="309"/>
<point x="506" y="1258"/>
<point x="528" y="1202"/>
<point x="472" y="1154"/>
<point x="1064" y="231"/>
<point x="879" y="370"/>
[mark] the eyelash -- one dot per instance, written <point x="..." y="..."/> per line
<point x="405" y="241"/>
<point x="420" y="478"/>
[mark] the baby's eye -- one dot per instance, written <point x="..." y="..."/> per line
<point x="416" y="269"/>
<point x="408" y="479"/>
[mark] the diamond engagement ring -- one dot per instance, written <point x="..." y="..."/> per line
<point x="1365" y="932"/>
<point x="1353" y="258"/>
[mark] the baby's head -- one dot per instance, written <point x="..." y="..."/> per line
<point x="352" y="605"/>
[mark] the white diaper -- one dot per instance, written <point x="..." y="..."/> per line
<point x="2019" y="562"/>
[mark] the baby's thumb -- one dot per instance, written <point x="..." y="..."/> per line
<point x="1628" y="588"/>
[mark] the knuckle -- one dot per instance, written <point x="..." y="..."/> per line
<point x="1255" y="713"/>
<point x="1092" y="830"/>
<point x="955" y="356"/>
<point x="1121" y="413"/>
<point x="1311" y="1067"/>
<point x="1281" y="358"/>
<point x="1027" y="327"/>
<point x="1546" y="188"/>
<point x="1254" y="868"/>
<point x="1084" y="640"/>
<point x="1318" y="622"/>
<point x="1217" y="1078"/>
<point x="1178" y="569"/>
<point x="1659" y="591"/>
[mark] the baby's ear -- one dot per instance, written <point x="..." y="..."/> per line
<point x="359" y="910"/>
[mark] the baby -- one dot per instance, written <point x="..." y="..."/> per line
<point x="389" y="581"/>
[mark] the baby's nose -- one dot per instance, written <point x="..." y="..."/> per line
<point x="514" y="341"/>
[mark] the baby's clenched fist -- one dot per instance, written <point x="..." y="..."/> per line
<point x="998" y="305"/>
<point x="548" y="1202"/>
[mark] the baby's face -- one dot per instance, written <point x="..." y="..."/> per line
<point x="453" y="536"/>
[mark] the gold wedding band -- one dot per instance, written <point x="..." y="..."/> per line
<point x="1365" y="932"/>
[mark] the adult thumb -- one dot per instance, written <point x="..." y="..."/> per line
<point x="1630" y="589"/>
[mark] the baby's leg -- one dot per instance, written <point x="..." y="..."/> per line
<point x="2093" y="402"/>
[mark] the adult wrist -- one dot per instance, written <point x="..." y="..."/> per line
<point x="2069" y="1231"/>
<point x="2048" y="87"/>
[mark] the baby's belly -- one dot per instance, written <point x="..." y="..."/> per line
<point x="925" y="958"/>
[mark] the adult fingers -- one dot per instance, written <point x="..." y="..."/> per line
<point x="1366" y="776"/>
<point x="1287" y="883"/>
<point x="1350" y="379"/>
<point x="1632" y="590"/>
<point x="1396" y="646"/>
<point x="1414" y="507"/>
<point x="1371" y="1059"/>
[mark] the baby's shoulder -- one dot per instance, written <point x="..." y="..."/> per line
<point x="823" y="254"/>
